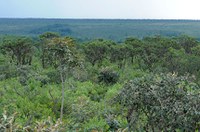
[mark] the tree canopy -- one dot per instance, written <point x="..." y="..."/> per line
<point x="56" y="83"/>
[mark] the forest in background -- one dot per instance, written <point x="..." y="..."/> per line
<point x="89" y="29"/>
<point x="57" y="83"/>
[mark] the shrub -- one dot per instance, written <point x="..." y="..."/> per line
<point x="96" y="124"/>
<point x="161" y="103"/>
<point x="108" y="76"/>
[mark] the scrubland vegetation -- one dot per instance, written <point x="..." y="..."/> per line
<point x="56" y="83"/>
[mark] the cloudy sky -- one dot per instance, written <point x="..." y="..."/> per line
<point x="123" y="9"/>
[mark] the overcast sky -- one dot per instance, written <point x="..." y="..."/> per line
<point x="123" y="9"/>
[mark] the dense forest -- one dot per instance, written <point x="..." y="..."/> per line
<point x="89" y="29"/>
<point x="56" y="83"/>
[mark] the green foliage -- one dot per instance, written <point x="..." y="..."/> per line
<point x="112" y="91"/>
<point x="196" y="50"/>
<point x="108" y="76"/>
<point x="28" y="101"/>
<point x="187" y="42"/>
<point x="94" y="91"/>
<point x="48" y="35"/>
<point x="97" y="124"/>
<point x="77" y="83"/>
<point x="175" y="60"/>
<point x="43" y="46"/>
<point x="33" y="110"/>
<point x="112" y="123"/>
<point x="53" y="75"/>
<point x="131" y="72"/>
<point x="119" y="55"/>
<point x="7" y="70"/>
<point x="19" y="49"/>
<point x="83" y="110"/>
<point x="161" y="102"/>
<point x="60" y="52"/>
<point x="135" y="47"/>
<point x="97" y="50"/>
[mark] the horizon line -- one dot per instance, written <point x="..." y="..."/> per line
<point x="176" y="19"/>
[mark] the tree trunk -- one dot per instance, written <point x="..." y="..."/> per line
<point x="63" y="87"/>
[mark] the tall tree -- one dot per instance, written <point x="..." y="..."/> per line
<point x="44" y="40"/>
<point x="135" y="47"/>
<point x="19" y="49"/>
<point x="97" y="50"/>
<point x="187" y="43"/>
<point x="61" y="55"/>
<point x="119" y="54"/>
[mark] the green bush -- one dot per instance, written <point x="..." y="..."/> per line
<point x="163" y="102"/>
<point x="108" y="76"/>
<point x="95" y="123"/>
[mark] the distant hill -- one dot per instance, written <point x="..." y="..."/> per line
<point x="86" y="29"/>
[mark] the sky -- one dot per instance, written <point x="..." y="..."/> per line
<point x="106" y="9"/>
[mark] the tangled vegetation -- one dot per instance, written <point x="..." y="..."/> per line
<point x="54" y="83"/>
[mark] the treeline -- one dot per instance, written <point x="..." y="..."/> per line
<point x="149" y="84"/>
<point x="89" y="29"/>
